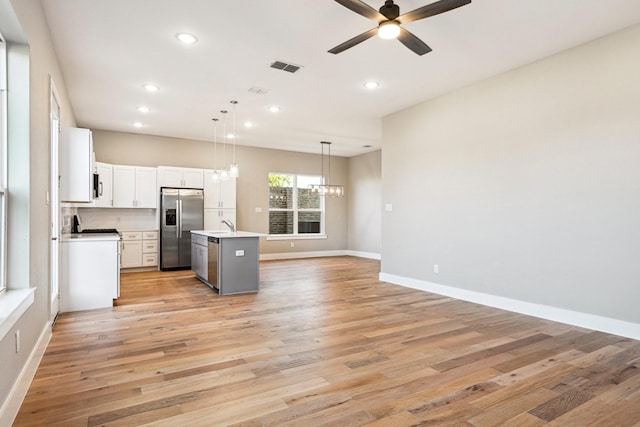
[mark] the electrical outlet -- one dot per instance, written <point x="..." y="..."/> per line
<point x="18" y="341"/>
<point x="435" y="268"/>
<point x="292" y="244"/>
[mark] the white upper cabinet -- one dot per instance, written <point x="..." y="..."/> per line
<point x="124" y="186"/>
<point x="134" y="187"/>
<point x="219" y="194"/>
<point x="105" y="191"/>
<point x="76" y="165"/>
<point x="146" y="189"/>
<point x="169" y="176"/>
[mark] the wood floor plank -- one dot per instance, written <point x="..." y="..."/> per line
<point x="324" y="343"/>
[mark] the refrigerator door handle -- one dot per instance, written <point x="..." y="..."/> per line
<point x="179" y="219"/>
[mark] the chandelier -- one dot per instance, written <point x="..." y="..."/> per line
<point x="325" y="188"/>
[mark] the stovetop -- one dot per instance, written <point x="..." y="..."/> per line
<point x="100" y="230"/>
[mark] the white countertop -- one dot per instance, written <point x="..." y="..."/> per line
<point x="89" y="237"/>
<point x="221" y="234"/>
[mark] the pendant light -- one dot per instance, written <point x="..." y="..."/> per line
<point x="224" y="172"/>
<point x="325" y="188"/>
<point x="215" y="175"/>
<point x="234" y="170"/>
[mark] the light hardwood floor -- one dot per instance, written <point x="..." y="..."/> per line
<point x="324" y="343"/>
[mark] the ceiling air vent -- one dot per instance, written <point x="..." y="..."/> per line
<point x="258" y="90"/>
<point x="279" y="65"/>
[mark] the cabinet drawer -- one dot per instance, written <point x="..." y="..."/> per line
<point x="132" y="235"/>
<point x="149" y="246"/>
<point x="150" y="235"/>
<point x="149" y="260"/>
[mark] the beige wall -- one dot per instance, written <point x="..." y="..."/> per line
<point x="525" y="185"/>
<point x="29" y="181"/>
<point x="365" y="203"/>
<point x="255" y="165"/>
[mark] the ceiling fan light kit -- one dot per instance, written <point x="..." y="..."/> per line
<point x="389" y="30"/>
<point x="389" y="22"/>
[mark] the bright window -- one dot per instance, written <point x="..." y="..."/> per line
<point x="293" y="209"/>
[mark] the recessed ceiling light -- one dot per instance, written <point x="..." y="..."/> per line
<point x="230" y="136"/>
<point x="137" y="124"/>
<point x="186" y="38"/>
<point x="274" y="109"/>
<point x="248" y="124"/>
<point x="151" y="87"/>
<point x="371" y="84"/>
<point x="144" y="109"/>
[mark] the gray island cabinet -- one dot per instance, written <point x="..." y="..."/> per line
<point x="226" y="261"/>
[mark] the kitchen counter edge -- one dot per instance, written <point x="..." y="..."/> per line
<point x="227" y="234"/>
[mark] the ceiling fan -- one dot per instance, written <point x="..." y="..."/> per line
<point x="389" y="20"/>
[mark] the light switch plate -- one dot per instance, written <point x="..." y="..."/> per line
<point x="258" y="210"/>
<point x="388" y="207"/>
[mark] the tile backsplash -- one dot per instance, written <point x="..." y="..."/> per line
<point x="122" y="219"/>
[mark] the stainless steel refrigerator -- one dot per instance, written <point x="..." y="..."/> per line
<point x="182" y="210"/>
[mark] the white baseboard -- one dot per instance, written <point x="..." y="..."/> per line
<point x="370" y="255"/>
<point x="297" y="255"/>
<point x="570" y="317"/>
<point x="11" y="406"/>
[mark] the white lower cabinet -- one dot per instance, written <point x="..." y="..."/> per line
<point x="149" y="248"/>
<point x="139" y="249"/>
<point x="90" y="276"/>
<point x="131" y="249"/>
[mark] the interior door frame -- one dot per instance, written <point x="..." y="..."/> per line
<point x="54" y="202"/>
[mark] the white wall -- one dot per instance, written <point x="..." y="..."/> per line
<point x="29" y="179"/>
<point x="364" y="193"/>
<point x="526" y="185"/>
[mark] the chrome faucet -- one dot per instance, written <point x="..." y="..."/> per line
<point x="229" y="224"/>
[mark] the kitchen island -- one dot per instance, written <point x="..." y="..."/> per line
<point x="226" y="260"/>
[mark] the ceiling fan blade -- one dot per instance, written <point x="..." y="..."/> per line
<point x="354" y="41"/>
<point x="431" y="10"/>
<point x="363" y="9"/>
<point x="412" y="42"/>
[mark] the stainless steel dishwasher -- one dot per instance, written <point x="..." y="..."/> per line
<point x="212" y="261"/>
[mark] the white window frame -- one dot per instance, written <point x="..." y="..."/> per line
<point x="3" y="165"/>
<point x="296" y="235"/>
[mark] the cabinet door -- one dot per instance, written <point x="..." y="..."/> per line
<point x="105" y="193"/>
<point x="230" y="215"/>
<point x="131" y="254"/>
<point x="192" y="178"/>
<point x="124" y="186"/>
<point x="211" y="191"/>
<point x="169" y="176"/>
<point x="228" y="194"/>
<point x="213" y="219"/>
<point x="76" y="165"/>
<point x="146" y="196"/>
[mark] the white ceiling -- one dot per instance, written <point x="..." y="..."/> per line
<point x="109" y="48"/>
